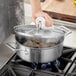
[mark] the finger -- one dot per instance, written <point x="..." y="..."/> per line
<point x="49" y="21"/>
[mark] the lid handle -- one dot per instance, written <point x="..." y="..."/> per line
<point x="40" y="23"/>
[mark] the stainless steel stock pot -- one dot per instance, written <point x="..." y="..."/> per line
<point x="39" y="45"/>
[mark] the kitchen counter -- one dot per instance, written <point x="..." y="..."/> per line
<point x="61" y="9"/>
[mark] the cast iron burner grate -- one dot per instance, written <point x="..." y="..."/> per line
<point x="60" y="67"/>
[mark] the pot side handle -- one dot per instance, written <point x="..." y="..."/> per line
<point x="26" y="51"/>
<point x="65" y="30"/>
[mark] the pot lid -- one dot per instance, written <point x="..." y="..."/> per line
<point x="54" y="35"/>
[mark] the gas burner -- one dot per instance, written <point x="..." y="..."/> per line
<point x="49" y="66"/>
<point x="44" y="66"/>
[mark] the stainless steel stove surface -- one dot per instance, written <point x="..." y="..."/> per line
<point x="63" y="66"/>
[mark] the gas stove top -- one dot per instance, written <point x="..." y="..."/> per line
<point x="15" y="66"/>
<point x="63" y="66"/>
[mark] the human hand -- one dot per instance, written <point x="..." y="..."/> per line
<point x="48" y="19"/>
